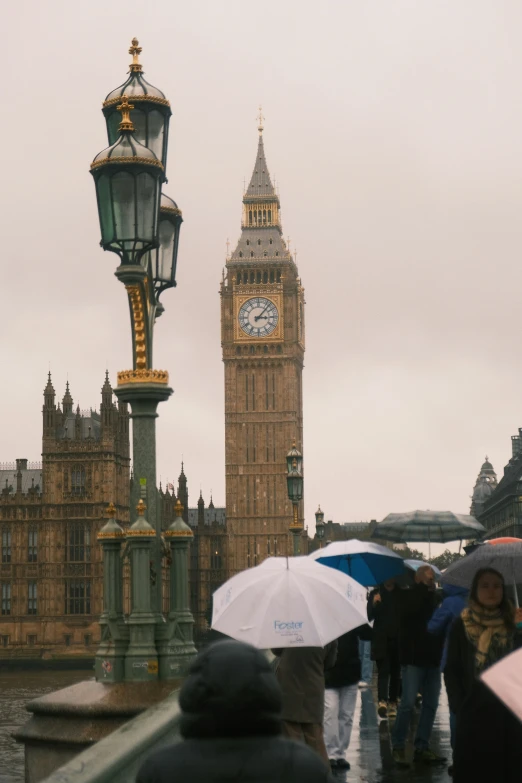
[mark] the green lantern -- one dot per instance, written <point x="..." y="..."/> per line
<point x="128" y="179"/>
<point x="152" y="112"/>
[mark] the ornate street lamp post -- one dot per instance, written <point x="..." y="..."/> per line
<point x="319" y="526"/>
<point x="142" y="225"/>
<point x="294" y="482"/>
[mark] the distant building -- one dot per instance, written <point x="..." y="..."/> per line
<point x="485" y="485"/>
<point x="51" y="574"/>
<point x="344" y="531"/>
<point x="501" y="512"/>
<point x="51" y="566"/>
<point x="209" y="566"/>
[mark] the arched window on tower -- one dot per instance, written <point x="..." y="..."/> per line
<point x="252" y="277"/>
<point x="278" y="275"/>
<point x="265" y="277"/>
<point x="270" y="240"/>
<point x="238" y="278"/>
<point x="271" y="275"/>
<point x="240" y="254"/>
<point x="258" y="241"/>
<point x="251" y="254"/>
<point x="78" y="480"/>
<point x="258" y="276"/>
<point x="249" y="218"/>
<point x="264" y="216"/>
<point x="248" y="241"/>
<point x="77" y="542"/>
<point x="270" y="219"/>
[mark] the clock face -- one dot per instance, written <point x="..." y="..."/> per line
<point x="258" y="317"/>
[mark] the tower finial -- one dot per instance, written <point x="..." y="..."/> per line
<point x="260" y="120"/>
<point x="125" y="108"/>
<point x="135" y="50"/>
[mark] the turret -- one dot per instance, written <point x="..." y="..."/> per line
<point x="183" y="493"/>
<point x="106" y="407"/>
<point x="49" y="407"/>
<point x="201" y="510"/>
<point x="78" y="424"/>
<point x="67" y="402"/>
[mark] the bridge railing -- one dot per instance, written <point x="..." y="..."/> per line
<point x="118" y="757"/>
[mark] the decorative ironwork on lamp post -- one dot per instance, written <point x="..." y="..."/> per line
<point x="142" y="225"/>
<point x="319" y="526"/>
<point x="294" y="482"/>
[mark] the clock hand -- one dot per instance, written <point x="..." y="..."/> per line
<point x="261" y="315"/>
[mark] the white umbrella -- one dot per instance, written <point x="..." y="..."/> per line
<point x="505" y="680"/>
<point x="288" y="602"/>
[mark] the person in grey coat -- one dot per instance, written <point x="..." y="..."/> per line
<point x="300" y="674"/>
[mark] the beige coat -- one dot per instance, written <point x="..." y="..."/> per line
<point x="300" y="674"/>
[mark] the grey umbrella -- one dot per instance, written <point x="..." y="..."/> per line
<point x="505" y="558"/>
<point x="428" y="526"/>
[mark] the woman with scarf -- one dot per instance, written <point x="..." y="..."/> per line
<point x="488" y="738"/>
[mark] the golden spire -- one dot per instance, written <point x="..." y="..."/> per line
<point x="140" y="508"/>
<point x="125" y="108"/>
<point x="178" y="508"/>
<point x="111" y="510"/>
<point x="260" y="120"/>
<point x="135" y="50"/>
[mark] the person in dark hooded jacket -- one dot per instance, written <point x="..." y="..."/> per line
<point x="231" y="726"/>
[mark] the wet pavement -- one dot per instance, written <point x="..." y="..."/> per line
<point x="370" y="752"/>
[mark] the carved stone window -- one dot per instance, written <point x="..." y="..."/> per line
<point x="32" y="598"/>
<point x="6" y="598"/>
<point x="78" y="480"/>
<point x="77" y="596"/>
<point x="216" y="553"/>
<point x="6" y="544"/>
<point x="32" y="545"/>
<point x="77" y="543"/>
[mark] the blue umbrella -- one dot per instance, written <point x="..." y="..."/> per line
<point x="368" y="563"/>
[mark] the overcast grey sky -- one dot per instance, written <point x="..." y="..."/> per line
<point x="393" y="129"/>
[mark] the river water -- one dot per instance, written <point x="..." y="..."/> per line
<point x="16" y="689"/>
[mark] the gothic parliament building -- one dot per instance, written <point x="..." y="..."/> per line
<point x="51" y="575"/>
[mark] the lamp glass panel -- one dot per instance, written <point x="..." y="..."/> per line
<point x="295" y="487"/>
<point x="147" y="190"/>
<point x="113" y="124"/>
<point x="103" y="186"/>
<point x="156" y="132"/>
<point x="139" y="120"/>
<point x="123" y="198"/>
<point x="165" y="255"/>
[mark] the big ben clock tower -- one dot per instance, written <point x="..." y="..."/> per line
<point x="262" y="335"/>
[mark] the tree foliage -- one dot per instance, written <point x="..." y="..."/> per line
<point x="445" y="559"/>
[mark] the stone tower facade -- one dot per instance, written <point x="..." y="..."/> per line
<point x="51" y="575"/>
<point x="263" y="342"/>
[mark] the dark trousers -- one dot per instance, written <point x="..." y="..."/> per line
<point x="389" y="674"/>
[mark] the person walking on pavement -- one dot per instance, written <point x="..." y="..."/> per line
<point x="453" y="603"/>
<point x="420" y="655"/>
<point x="488" y="737"/>
<point x="300" y="674"/>
<point x="365" y="656"/>
<point x="341" y="695"/>
<point x="231" y="726"/>
<point x="383" y="609"/>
